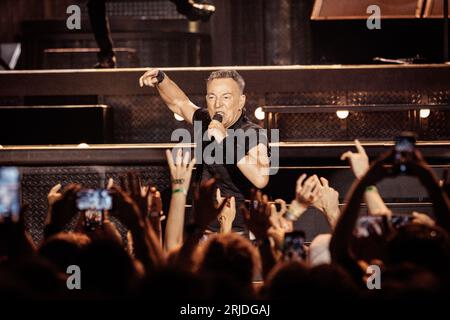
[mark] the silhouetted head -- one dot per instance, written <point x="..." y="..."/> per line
<point x="106" y="269"/>
<point x="64" y="249"/>
<point x="230" y="255"/>
<point x="422" y="245"/>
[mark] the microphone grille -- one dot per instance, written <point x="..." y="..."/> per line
<point x="218" y="117"/>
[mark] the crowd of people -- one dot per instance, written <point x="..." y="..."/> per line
<point x="184" y="260"/>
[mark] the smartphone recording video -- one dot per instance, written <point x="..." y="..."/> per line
<point x="404" y="150"/>
<point x="399" y="221"/>
<point x="294" y="245"/>
<point x="93" y="204"/>
<point x="9" y="193"/>
<point x="370" y="225"/>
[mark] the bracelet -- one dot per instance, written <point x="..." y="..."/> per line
<point x="178" y="181"/>
<point x="179" y="190"/>
<point x="371" y="188"/>
<point x="160" y="76"/>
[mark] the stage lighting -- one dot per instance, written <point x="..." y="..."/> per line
<point x="177" y="117"/>
<point x="424" y="113"/>
<point x="83" y="146"/>
<point x="260" y="114"/>
<point x="9" y="55"/>
<point x="342" y="114"/>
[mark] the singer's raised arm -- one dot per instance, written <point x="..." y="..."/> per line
<point x="172" y="95"/>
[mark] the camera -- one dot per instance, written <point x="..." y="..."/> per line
<point x="9" y="192"/>
<point x="93" y="204"/>
<point x="294" y="245"/>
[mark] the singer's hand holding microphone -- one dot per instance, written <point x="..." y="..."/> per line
<point x="216" y="129"/>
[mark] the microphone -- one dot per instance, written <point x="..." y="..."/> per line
<point x="218" y="117"/>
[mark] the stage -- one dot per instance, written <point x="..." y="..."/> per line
<point x="300" y="101"/>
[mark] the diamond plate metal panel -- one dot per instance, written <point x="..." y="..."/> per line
<point x="436" y="126"/>
<point x="156" y="9"/>
<point x="37" y="181"/>
<point x="305" y="98"/>
<point x="384" y="97"/>
<point x="310" y="126"/>
<point x="377" y="125"/>
<point x="143" y="119"/>
<point x="439" y="97"/>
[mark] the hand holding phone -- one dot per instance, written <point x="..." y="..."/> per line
<point x="404" y="150"/>
<point x="9" y="193"/>
<point x="294" y="246"/>
<point x="399" y="221"/>
<point x="370" y="225"/>
<point x="93" y="204"/>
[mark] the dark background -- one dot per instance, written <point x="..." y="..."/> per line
<point x="250" y="32"/>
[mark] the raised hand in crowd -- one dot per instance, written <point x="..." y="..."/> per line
<point x="422" y="218"/>
<point x="257" y="216"/>
<point x="205" y="210"/>
<point x="62" y="208"/>
<point x="146" y="245"/>
<point x="279" y="224"/>
<point x="258" y="220"/>
<point x="387" y="165"/>
<point x="228" y="213"/>
<point x="180" y="178"/>
<point x="306" y="193"/>
<point x="328" y="202"/>
<point x="155" y="212"/>
<point x="359" y="163"/>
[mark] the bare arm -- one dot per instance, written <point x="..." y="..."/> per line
<point x="255" y="166"/>
<point x="175" y="99"/>
<point x="359" y="163"/>
<point x="180" y="172"/>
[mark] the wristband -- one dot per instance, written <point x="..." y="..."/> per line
<point x="370" y="188"/>
<point x="160" y="76"/>
<point x="179" y="190"/>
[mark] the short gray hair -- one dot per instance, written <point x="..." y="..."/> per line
<point x="231" y="74"/>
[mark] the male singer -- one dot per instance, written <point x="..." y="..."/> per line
<point x="225" y="101"/>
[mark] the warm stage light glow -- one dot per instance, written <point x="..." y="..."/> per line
<point x="83" y="145"/>
<point x="178" y="118"/>
<point x="342" y="114"/>
<point x="260" y="114"/>
<point x="424" y="113"/>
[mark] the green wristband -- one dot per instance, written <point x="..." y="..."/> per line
<point x="179" y="190"/>
<point x="371" y="188"/>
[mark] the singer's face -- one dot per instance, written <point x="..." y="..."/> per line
<point x="224" y="96"/>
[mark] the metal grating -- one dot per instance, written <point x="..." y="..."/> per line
<point x="439" y="97"/>
<point x="436" y="126"/>
<point x="37" y="181"/>
<point x="310" y="126"/>
<point x="139" y="119"/>
<point x="305" y="98"/>
<point x="156" y="9"/>
<point x="377" y="125"/>
<point x="384" y="97"/>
